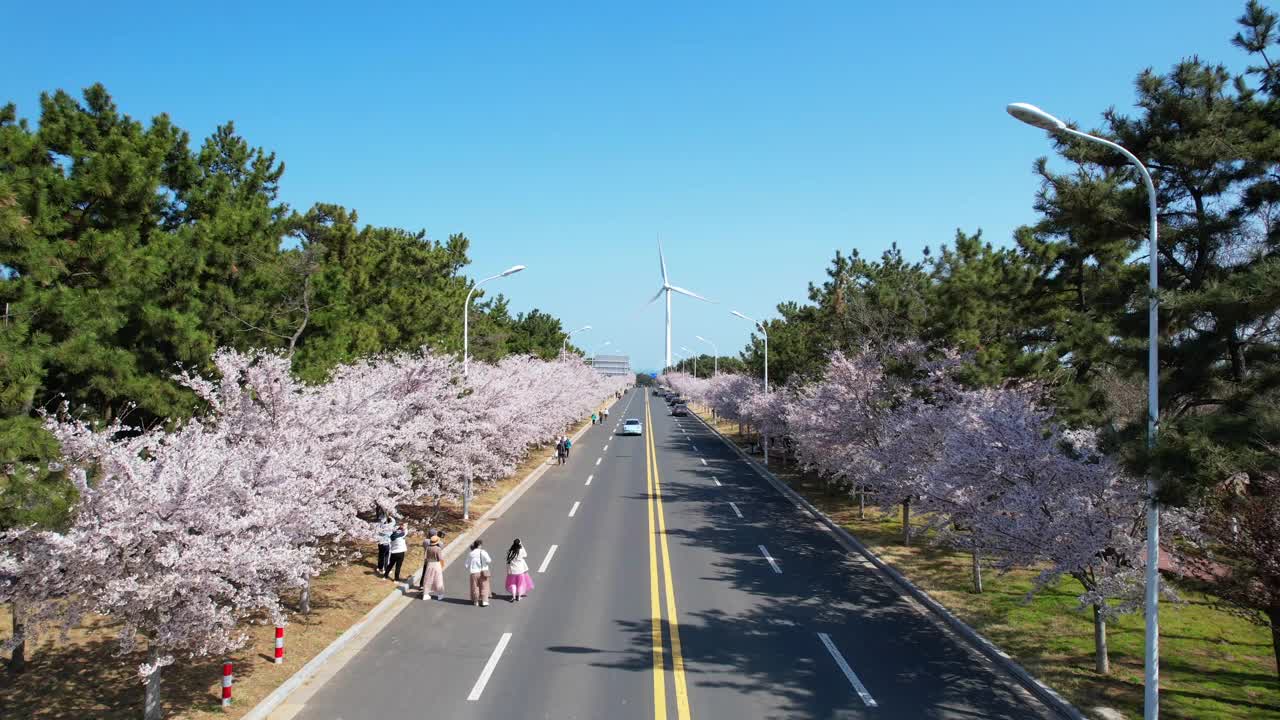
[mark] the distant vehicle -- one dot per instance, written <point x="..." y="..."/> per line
<point x="631" y="426"/>
<point x="679" y="410"/>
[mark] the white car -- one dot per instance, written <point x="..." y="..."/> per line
<point x="631" y="426"/>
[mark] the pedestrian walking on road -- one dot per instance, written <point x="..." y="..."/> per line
<point x="383" y="528"/>
<point x="568" y="445"/>
<point x="433" y="568"/>
<point x="560" y="451"/>
<point x="478" y="562"/>
<point x="593" y="418"/>
<point x="518" y="581"/>
<point x="398" y="548"/>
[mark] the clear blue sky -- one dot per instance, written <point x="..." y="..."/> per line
<point x="756" y="137"/>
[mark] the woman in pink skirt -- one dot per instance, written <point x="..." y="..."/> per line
<point x="518" y="581"/>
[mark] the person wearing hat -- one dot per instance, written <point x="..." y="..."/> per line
<point x="433" y="568"/>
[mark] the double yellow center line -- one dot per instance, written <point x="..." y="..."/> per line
<point x="658" y="539"/>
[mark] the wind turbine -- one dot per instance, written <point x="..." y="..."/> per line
<point x="668" y="288"/>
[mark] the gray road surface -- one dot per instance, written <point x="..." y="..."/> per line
<point x="812" y="634"/>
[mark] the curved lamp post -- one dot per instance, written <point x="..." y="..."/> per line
<point x="695" y="359"/>
<point x="715" y="368"/>
<point x="466" y="330"/>
<point x="1032" y="115"/>
<point x="760" y="326"/>
<point x="564" y="347"/>
<point x="596" y="348"/>
<point x="466" y="360"/>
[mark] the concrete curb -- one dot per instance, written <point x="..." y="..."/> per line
<point x="1040" y="690"/>
<point x="390" y="606"/>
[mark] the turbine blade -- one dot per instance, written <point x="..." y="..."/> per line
<point x="690" y="293"/>
<point x="663" y="260"/>
<point x="655" y="297"/>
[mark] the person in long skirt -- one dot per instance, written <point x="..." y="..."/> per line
<point x="478" y="562"/>
<point x="433" y="569"/>
<point x="518" y="581"/>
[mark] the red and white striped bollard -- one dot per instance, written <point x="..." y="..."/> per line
<point x="279" y="644"/>
<point x="226" y="684"/>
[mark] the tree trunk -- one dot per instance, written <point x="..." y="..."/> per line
<point x="1102" y="662"/>
<point x="862" y="503"/>
<point x="977" y="569"/>
<point x="304" y="598"/>
<point x="906" y="521"/>
<point x="1274" y="615"/>
<point x="17" y="661"/>
<point x="151" y="709"/>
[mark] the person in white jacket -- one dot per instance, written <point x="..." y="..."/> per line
<point x="478" y="562"/>
<point x="518" y="581"/>
<point x="398" y="549"/>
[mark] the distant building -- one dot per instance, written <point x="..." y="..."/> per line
<point x="612" y="364"/>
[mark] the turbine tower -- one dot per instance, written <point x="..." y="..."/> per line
<point x="668" y="288"/>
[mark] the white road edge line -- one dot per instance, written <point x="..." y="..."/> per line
<point x="547" y="560"/>
<point x="772" y="563"/>
<point x="573" y="510"/>
<point x="588" y="482"/>
<point x="598" y="460"/>
<point x="488" y="668"/>
<point x="735" y="509"/>
<point x="848" y="671"/>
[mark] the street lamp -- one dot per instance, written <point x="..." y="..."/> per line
<point x="1032" y="115"/>
<point x="715" y="368"/>
<point x="466" y="329"/>
<point x="466" y="361"/>
<point x="760" y="326"/>
<point x="695" y="360"/>
<point x="564" y="347"/>
<point x="597" y="347"/>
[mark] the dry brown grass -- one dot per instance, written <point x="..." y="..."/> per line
<point x="82" y="677"/>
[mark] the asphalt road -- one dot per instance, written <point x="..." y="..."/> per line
<point x="772" y="618"/>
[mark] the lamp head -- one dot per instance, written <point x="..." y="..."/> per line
<point x="512" y="270"/>
<point x="735" y="312"/>
<point x="1032" y="115"/>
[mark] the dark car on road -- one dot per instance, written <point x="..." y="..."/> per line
<point x="680" y="410"/>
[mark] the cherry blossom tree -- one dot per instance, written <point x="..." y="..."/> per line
<point x="171" y="539"/>
<point x="1008" y="479"/>
<point x="182" y="535"/>
<point x="726" y="393"/>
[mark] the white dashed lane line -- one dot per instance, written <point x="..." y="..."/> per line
<point x="547" y="560"/>
<point x="589" y="477"/>
<point x="716" y="481"/>
<point x="703" y="460"/>
<point x="574" y="510"/>
<point x="736" y="511"/>
<point x="772" y="563"/>
<point x="488" y="668"/>
<point x="858" y="687"/>
<point x="598" y="460"/>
